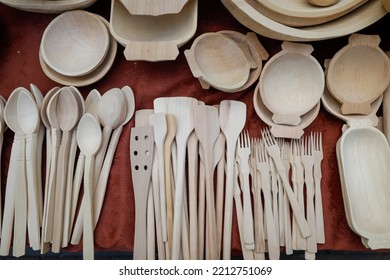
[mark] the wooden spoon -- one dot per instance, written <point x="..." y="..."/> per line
<point x="18" y="207"/>
<point x="207" y="129"/>
<point x="322" y="3"/>
<point x="232" y="117"/>
<point x="2" y="129"/>
<point x="29" y="121"/>
<point x="89" y="138"/>
<point x="67" y="118"/>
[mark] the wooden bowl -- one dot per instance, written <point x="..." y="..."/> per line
<point x="291" y="83"/>
<point x="90" y="78"/>
<point x="219" y="61"/>
<point x="245" y="12"/>
<point x="153" y="38"/>
<point x="75" y="43"/>
<point x="364" y="160"/>
<point x="279" y="130"/>
<point x="358" y="74"/>
<point x="48" y="7"/>
<point x="154" y="7"/>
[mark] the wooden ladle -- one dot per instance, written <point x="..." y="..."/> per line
<point x="89" y="139"/>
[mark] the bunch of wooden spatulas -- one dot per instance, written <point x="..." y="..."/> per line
<point x="81" y="138"/>
<point x="186" y="158"/>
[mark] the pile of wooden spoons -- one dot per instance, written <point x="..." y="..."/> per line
<point x="227" y="60"/>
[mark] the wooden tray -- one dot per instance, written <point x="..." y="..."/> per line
<point x="246" y="14"/>
<point x="153" y="38"/>
<point x="48" y="7"/>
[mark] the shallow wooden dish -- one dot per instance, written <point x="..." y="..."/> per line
<point x="364" y="160"/>
<point x="358" y="74"/>
<point x="278" y="130"/>
<point x="75" y="43"/>
<point x="291" y="83"/>
<point x="154" y="7"/>
<point x="218" y="60"/>
<point x="47" y="6"/>
<point x="90" y="78"/>
<point x="246" y="14"/>
<point x="153" y="38"/>
<point x="300" y="13"/>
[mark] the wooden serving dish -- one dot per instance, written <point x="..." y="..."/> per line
<point x="291" y="83"/>
<point x="279" y="130"/>
<point x="47" y="6"/>
<point x="245" y="12"/>
<point x="219" y="61"/>
<point x="358" y="74"/>
<point x="153" y="38"/>
<point x="302" y="13"/>
<point x="364" y="160"/>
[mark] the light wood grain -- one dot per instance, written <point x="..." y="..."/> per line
<point x="154" y="7"/>
<point x="48" y="7"/>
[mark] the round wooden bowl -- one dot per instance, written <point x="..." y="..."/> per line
<point x="291" y="83"/>
<point x="75" y="43"/>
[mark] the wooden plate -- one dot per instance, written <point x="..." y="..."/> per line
<point x="358" y="74"/>
<point x="218" y="60"/>
<point x="90" y="78"/>
<point x="300" y="13"/>
<point x="48" y="6"/>
<point x="291" y="83"/>
<point x="153" y="38"/>
<point x="279" y="130"/>
<point x="364" y="160"/>
<point x="246" y="14"/>
<point x="74" y="43"/>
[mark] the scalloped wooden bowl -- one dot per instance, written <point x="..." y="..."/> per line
<point x="75" y="43"/>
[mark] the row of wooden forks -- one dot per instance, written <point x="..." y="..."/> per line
<point x="277" y="177"/>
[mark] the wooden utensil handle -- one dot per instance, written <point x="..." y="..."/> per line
<point x="38" y="170"/>
<point x="286" y="119"/>
<point x="32" y="191"/>
<point x="364" y="40"/>
<point x="254" y="41"/>
<point x="292" y="132"/>
<point x="350" y="108"/>
<point x="88" y="228"/>
<point x="304" y="49"/>
<point x="151" y="51"/>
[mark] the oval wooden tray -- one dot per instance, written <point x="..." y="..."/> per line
<point x="48" y="7"/>
<point x="153" y="38"/>
<point x="364" y="160"/>
<point x="246" y="14"/>
<point x="90" y="78"/>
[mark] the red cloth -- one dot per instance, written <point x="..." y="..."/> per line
<point x="20" y="36"/>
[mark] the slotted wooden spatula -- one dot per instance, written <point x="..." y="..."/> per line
<point x="141" y="157"/>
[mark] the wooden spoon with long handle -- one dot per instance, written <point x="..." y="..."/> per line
<point x="89" y="138"/>
<point x="232" y="117"/>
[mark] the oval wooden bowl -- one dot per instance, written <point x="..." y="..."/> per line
<point x="364" y="160"/>
<point x="75" y="43"/>
<point x="358" y="74"/>
<point x="153" y="38"/>
<point x="279" y="130"/>
<point x="291" y="83"/>
<point x="245" y="12"/>
<point x="218" y="60"/>
<point x="90" y="78"/>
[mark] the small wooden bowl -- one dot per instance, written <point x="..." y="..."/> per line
<point x="291" y="83"/>
<point x="75" y="43"/>
<point x="218" y="60"/>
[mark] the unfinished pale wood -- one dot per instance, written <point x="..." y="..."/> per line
<point x="218" y="60"/>
<point x="207" y="129"/>
<point x="48" y="7"/>
<point x="154" y="7"/>
<point x="283" y="131"/>
<point x="232" y="118"/>
<point x="89" y="139"/>
<point x="323" y="3"/>
<point x="244" y="11"/>
<point x="314" y="16"/>
<point x="386" y="113"/>
<point x="153" y="38"/>
<point x="19" y="211"/>
<point x="291" y="83"/>
<point x="141" y="157"/>
<point x="75" y="43"/>
<point x="2" y="129"/>
<point x="364" y="156"/>
<point x="87" y="79"/>
<point x="317" y="172"/>
<point x="29" y="121"/>
<point x="358" y="74"/>
<point x="386" y="5"/>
